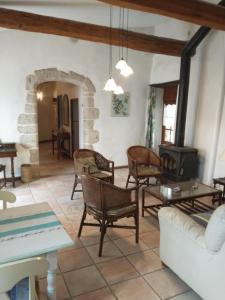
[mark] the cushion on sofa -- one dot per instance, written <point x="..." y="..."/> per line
<point x="215" y="230"/>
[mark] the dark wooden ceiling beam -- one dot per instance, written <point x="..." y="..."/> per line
<point x="194" y="11"/>
<point x="43" y="24"/>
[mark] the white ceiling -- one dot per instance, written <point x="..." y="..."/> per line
<point x="89" y="11"/>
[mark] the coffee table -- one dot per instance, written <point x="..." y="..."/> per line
<point x="186" y="199"/>
<point x="220" y="181"/>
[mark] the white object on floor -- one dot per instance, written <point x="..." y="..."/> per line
<point x="195" y="254"/>
<point x="45" y="242"/>
<point x="12" y="273"/>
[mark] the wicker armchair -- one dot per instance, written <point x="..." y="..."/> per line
<point x="143" y="164"/>
<point x="93" y="163"/>
<point x="107" y="204"/>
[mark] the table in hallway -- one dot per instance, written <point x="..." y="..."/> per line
<point x="186" y="199"/>
<point x="33" y="230"/>
<point x="9" y="150"/>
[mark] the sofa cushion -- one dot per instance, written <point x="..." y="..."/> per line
<point x="215" y="231"/>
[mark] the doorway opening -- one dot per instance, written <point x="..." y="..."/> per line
<point x="58" y="122"/>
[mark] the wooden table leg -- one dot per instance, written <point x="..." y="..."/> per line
<point x="12" y="171"/>
<point x="51" y="278"/>
<point x="143" y="202"/>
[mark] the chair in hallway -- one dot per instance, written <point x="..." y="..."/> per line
<point x="17" y="279"/>
<point x="143" y="164"/>
<point x="7" y="197"/>
<point x="2" y="169"/>
<point x="93" y="163"/>
<point x="107" y="204"/>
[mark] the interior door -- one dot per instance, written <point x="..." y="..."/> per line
<point x="59" y="111"/>
<point x="74" y="108"/>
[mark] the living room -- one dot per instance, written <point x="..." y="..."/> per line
<point x="32" y="58"/>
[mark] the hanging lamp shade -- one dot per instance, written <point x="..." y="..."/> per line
<point x="110" y="85"/>
<point x="119" y="90"/>
<point x="121" y="64"/>
<point x="127" y="71"/>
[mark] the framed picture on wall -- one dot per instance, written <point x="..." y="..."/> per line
<point x="65" y="110"/>
<point x="120" y="105"/>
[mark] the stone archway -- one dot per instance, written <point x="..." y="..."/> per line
<point x="28" y="121"/>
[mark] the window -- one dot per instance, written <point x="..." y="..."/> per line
<point x="169" y="119"/>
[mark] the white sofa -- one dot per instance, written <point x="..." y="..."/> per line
<point x="196" y="254"/>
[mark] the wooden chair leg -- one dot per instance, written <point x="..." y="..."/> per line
<point x="136" y="218"/>
<point x="128" y="178"/>
<point x="82" y="221"/>
<point x="74" y="186"/>
<point x="103" y="230"/>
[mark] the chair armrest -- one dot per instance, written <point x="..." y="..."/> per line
<point x="115" y="196"/>
<point x="174" y="218"/>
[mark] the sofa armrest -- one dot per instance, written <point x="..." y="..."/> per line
<point x="175" y="218"/>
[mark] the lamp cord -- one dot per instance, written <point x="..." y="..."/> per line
<point x="127" y="34"/>
<point x="110" y="41"/>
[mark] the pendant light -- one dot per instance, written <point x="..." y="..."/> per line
<point x="122" y="65"/>
<point x="110" y="85"/>
<point x="119" y="90"/>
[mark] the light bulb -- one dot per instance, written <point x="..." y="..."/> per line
<point x="127" y="71"/>
<point x="110" y="85"/>
<point x="119" y="90"/>
<point x="39" y="96"/>
<point x="121" y="64"/>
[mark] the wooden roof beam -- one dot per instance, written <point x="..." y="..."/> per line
<point x="194" y="11"/>
<point x="13" y="19"/>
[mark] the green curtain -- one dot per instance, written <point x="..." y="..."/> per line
<point x="151" y="119"/>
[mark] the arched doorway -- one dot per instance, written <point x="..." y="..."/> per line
<point x="28" y="121"/>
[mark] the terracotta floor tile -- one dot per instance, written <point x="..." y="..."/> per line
<point x="156" y="250"/>
<point x="109" y="252"/>
<point x="134" y="289"/>
<point x="166" y="283"/>
<point x="102" y="294"/>
<point x="74" y="259"/>
<point x="128" y="245"/>
<point x="61" y="289"/>
<point x="146" y="224"/>
<point x="187" y="296"/>
<point x="84" y="280"/>
<point x="91" y="236"/>
<point x="145" y="262"/>
<point x="151" y="239"/>
<point x="117" y="270"/>
<point x="118" y="233"/>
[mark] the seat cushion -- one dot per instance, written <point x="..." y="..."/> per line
<point x="215" y="231"/>
<point x="144" y="170"/>
<point x="101" y="174"/>
<point x="119" y="212"/>
<point x="20" y="291"/>
<point x="89" y="161"/>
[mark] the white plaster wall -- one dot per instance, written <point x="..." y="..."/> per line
<point x="209" y="129"/>
<point x="167" y="68"/>
<point x="22" y="53"/>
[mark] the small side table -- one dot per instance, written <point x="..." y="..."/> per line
<point x="2" y="169"/>
<point x="220" y="181"/>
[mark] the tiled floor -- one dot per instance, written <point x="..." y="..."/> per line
<point x="126" y="271"/>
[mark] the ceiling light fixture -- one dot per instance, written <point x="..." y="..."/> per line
<point x="110" y="85"/>
<point x="122" y="65"/>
